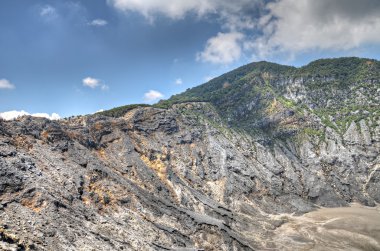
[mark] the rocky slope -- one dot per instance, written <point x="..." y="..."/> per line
<point x="213" y="168"/>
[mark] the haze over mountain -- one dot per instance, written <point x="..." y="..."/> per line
<point x="221" y="166"/>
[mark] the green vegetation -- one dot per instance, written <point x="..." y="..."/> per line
<point x="120" y="111"/>
<point x="215" y="90"/>
<point x="255" y="98"/>
<point x="331" y="67"/>
<point x="314" y="132"/>
<point x="345" y="115"/>
<point x="288" y="103"/>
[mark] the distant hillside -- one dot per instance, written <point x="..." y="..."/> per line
<point x="258" y="97"/>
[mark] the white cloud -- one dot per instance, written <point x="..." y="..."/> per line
<point x="272" y="27"/>
<point x="98" y="22"/>
<point x="228" y="11"/>
<point x="152" y="95"/>
<point x="53" y="116"/>
<point x="178" y="81"/>
<point x="94" y="83"/>
<point x="10" y="115"/>
<point x="91" y="82"/>
<point x="6" y="84"/>
<point x="48" y="12"/>
<point x="175" y="9"/>
<point x="233" y="16"/>
<point x="224" y="48"/>
<point x="294" y="26"/>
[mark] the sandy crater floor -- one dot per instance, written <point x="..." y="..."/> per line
<point x="348" y="228"/>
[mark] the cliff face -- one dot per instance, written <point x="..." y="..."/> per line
<point x="196" y="175"/>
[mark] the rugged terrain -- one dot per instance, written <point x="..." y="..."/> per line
<point x="213" y="168"/>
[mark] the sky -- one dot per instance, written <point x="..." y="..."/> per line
<point x="60" y="58"/>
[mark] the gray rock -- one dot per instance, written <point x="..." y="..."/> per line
<point x="170" y="180"/>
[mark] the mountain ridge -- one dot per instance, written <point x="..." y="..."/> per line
<point x="193" y="175"/>
<point x="316" y="88"/>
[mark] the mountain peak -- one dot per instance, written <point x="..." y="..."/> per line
<point x="331" y="89"/>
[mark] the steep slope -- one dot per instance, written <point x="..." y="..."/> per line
<point x="210" y="169"/>
<point x="337" y="91"/>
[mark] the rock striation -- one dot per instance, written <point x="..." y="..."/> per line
<point x="190" y="176"/>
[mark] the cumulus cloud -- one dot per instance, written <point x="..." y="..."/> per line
<point x="94" y="83"/>
<point x="98" y="22"/>
<point x="272" y="27"/>
<point x="171" y="8"/>
<point x="10" y="115"/>
<point x="297" y="26"/>
<point x="6" y="84"/>
<point x="177" y="9"/>
<point x="53" y="116"/>
<point x="91" y="82"/>
<point x="222" y="49"/>
<point x="178" y="81"/>
<point x="233" y="16"/>
<point x="152" y="95"/>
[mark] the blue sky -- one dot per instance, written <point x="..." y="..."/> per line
<point x="78" y="57"/>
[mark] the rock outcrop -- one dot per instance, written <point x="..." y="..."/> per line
<point x="180" y="178"/>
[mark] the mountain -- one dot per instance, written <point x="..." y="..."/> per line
<point x="252" y="97"/>
<point x="218" y="167"/>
